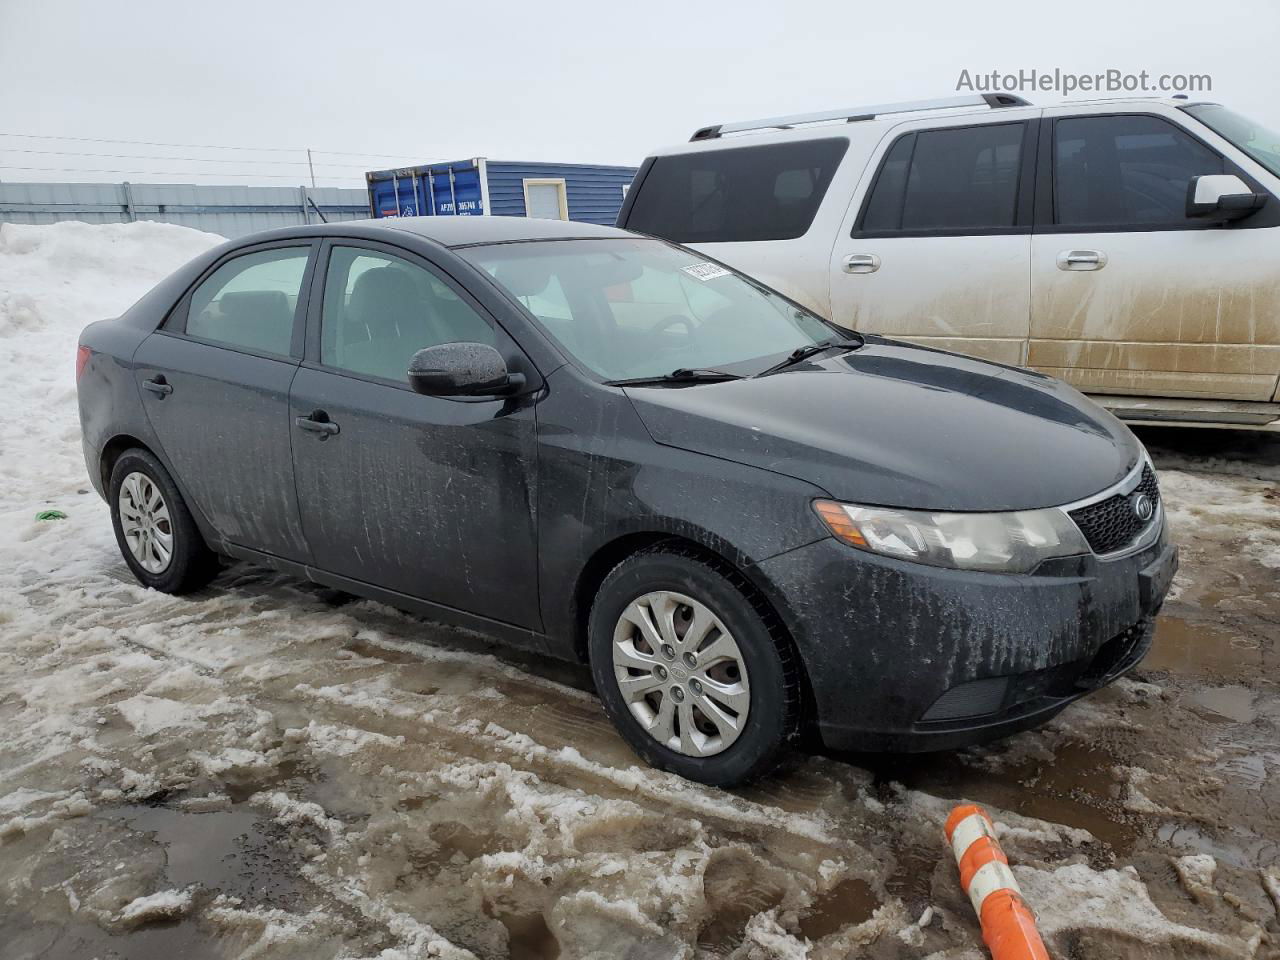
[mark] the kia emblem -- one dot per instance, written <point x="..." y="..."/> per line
<point x="1143" y="508"/>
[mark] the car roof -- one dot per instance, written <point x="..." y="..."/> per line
<point x="883" y="121"/>
<point x="842" y="128"/>
<point x="461" y="231"/>
<point x="446" y="231"/>
<point x="1131" y="101"/>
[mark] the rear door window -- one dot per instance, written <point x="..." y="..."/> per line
<point x="948" y="181"/>
<point x="1125" y="171"/>
<point x="250" y="302"/>
<point x="767" y="192"/>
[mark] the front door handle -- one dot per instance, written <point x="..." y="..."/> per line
<point x="158" y="385"/>
<point x="1082" y="260"/>
<point x="317" y="422"/>
<point x="861" y="263"/>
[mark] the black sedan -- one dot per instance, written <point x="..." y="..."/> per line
<point x="607" y="448"/>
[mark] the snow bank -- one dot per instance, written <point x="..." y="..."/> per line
<point x="55" y="280"/>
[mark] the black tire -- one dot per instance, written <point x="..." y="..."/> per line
<point x="773" y="718"/>
<point x="191" y="563"/>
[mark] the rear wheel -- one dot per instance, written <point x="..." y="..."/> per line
<point x="154" y="529"/>
<point x="690" y="668"/>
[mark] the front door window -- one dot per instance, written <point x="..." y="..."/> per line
<point x="1125" y="172"/>
<point x="379" y="310"/>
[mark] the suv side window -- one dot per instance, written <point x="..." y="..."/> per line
<point x="1125" y="171"/>
<point x="380" y="309"/>
<point x="250" y="301"/>
<point x="948" y="181"/>
<point x="769" y="192"/>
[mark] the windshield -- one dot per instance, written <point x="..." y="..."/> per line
<point x="1253" y="138"/>
<point x="630" y="309"/>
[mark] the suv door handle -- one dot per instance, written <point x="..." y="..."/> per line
<point x="158" y="385"/>
<point x="861" y="263"/>
<point x="318" y="422"/>
<point x="1082" y="260"/>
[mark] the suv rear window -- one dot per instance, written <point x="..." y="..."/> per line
<point x="746" y="193"/>
<point x="948" y="181"/>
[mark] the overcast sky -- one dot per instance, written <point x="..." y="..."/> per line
<point x="566" y="81"/>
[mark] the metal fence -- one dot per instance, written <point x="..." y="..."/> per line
<point x="231" y="211"/>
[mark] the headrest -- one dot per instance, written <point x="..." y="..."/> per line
<point x="383" y="293"/>
<point x="524" y="278"/>
<point x="254" y="304"/>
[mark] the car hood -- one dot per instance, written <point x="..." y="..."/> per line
<point x="896" y="425"/>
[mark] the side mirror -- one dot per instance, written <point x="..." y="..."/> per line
<point x="1221" y="196"/>
<point x="462" y="370"/>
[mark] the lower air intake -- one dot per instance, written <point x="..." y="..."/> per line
<point x="972" y="699"/>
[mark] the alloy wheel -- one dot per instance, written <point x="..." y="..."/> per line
<point x="145" y="523"/>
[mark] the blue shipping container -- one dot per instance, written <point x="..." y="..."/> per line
<point x="589" y="193"/>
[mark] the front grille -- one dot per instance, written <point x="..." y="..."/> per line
<point x="1111" y="524"/>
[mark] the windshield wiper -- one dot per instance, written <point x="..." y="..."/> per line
<point x="800" y="354"/>
<point x="680" y="375"/>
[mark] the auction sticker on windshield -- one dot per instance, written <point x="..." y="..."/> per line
<point x="706" y="271"/>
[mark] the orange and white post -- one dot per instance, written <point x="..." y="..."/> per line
<point x="1008" y="925"/>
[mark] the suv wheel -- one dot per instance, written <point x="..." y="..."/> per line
<point x="690" y="670"/>
<point x="154" y="529"/>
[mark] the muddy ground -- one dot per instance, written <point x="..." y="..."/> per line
<point x="271" y="769"/>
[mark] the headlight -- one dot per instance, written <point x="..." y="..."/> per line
<point x="1001" y="542"/>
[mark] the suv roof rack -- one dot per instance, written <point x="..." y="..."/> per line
<point x="992" y="100"/>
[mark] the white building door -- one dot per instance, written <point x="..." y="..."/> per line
<point x="545" y="199"/>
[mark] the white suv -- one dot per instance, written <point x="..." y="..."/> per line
<point x="1131" y="248"/>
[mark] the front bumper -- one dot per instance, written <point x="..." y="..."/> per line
<point x="906" y="657"/>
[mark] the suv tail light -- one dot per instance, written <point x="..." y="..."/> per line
<point x="83" y="354"/>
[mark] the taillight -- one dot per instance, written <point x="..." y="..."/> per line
<point x="83" y="354"/>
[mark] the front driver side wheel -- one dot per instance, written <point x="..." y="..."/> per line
<point x="154" y="529"/>
<point x="690" y="669"/>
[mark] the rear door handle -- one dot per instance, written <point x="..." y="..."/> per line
<point x="318" y="422"/>
<point x="158" y="385"/>
<point x="861" y="263"/>
<point x="1082" y="260"/>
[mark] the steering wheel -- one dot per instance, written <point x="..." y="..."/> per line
<point x="675" y="319"/>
